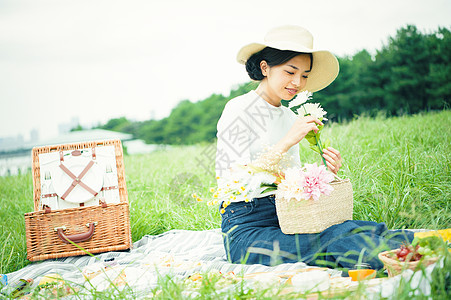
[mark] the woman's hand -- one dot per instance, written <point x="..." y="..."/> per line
<point x="299" y="130"/>
<point x="333" y="159"/>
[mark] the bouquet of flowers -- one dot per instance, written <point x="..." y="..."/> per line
<point x="308" y="199"/>
<point x="249" y="181"/>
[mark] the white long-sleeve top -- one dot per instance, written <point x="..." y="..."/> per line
<point x="248" y="127"/>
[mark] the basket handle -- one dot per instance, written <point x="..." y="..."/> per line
<point x="336" y="176"/>
<point x="76" y="238"/>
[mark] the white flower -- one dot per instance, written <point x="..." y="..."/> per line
<point x="291" y="186"/>
<point x="314" y="109"/>
<point x="266" y="178"/>
<point x="241" y="182"/>
<point x="253" y="187"/>
<point x="301" y="98"/>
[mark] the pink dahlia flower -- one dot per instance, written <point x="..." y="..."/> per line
<point x="316" y="181"/>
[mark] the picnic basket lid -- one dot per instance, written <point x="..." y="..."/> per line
<point x="60" y="182"/>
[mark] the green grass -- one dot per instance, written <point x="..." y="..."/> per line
<point x="399" y="168"/>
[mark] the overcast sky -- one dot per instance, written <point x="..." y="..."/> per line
<point x="98" y="60"/>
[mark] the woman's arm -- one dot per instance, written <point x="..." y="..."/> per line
<point x="297" y="132"/>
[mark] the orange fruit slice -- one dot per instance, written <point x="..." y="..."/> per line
<point x="361" y="274"/>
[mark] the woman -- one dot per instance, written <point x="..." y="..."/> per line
<point x="256" y="128"/>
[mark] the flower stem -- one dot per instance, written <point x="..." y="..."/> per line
<point x="320" y="147"/>
<point x="318" y="142"/>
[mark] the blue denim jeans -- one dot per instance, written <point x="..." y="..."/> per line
<point x="252" y="235"/>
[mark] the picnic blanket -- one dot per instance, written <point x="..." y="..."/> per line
<point x="178" y="253"/>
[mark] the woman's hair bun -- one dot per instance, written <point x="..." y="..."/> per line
<point x="253" y="66"/>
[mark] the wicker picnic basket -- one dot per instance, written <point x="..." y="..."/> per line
<point x="55" y="233"/>
<point x="309" y="216"/>
<point x="395" y="267"/>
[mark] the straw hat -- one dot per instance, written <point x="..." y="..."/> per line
<point x="295" y="38"/>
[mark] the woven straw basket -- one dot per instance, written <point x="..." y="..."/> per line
<point x="98" y="228"/>
<point x="309" y="216"/>
<point x="395" y="267"/>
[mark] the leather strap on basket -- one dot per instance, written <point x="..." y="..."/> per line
<point x="49" y="195"/>
<point x="76" y="238"/>
<point x="107" y="188"/>
<point x="47" y="209"/>
<point x="77" y="180"/>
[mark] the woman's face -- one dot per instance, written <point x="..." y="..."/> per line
<point x="284" y="81"/>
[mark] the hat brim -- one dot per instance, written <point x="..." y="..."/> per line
<point x="324" y="70"/>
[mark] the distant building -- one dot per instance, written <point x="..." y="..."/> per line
<point x="11" y="143"/>
<point x="67" y="127"/>
<point x="34" y="135"/>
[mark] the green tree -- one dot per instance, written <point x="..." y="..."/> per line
<point x="77" y="128"/>
<point x="117" y="124"/>
<point x="350" y="93"/>
<point x="439" y="77"/>
<point x="402" y="67"/>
